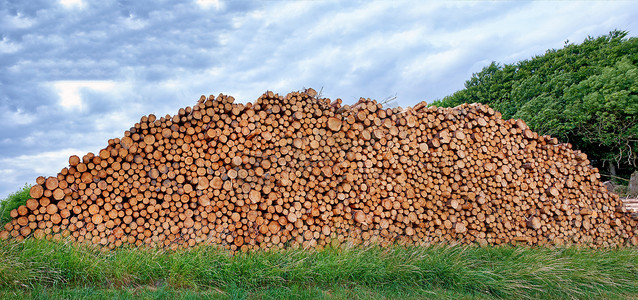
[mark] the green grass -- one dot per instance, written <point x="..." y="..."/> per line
<point x="48" y="269"/>
<point x="12" y="202"/>
<point x="339" y="292"/>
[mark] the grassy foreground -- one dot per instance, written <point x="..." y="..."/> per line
<point x="47" y="269"/>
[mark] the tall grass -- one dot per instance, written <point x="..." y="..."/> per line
<point x="519" y="272"/>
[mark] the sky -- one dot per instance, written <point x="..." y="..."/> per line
<point x="75" y="73"/>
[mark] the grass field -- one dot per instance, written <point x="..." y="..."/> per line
<point x="48" y="269"/>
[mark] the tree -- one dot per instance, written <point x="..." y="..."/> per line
<point x="584" y="94"/>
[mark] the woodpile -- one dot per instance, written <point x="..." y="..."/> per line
<point x="305" y="171"/>
<point x="631" y="206"/>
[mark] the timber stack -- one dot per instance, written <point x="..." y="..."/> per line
<point x="305" y="171"/>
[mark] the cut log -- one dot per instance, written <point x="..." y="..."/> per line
<point x="51" y="183"/>
<point x="534" y="223"/>
<point x="334" y="124"/>
<point x="36" y="191"/>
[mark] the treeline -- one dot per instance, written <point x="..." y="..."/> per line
<point x="585" y="94"/>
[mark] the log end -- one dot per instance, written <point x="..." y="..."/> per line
<point x="534" y="223"/>
<point x="359" y="216"/>
<point x="36" y="191"/>
<point x="74" y="160"/>
<point x="334" y="124"/>
<point x="460" y="227"/>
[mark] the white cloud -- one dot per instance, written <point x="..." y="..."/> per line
<point x="18" y="117"/>
<point x="112" y="121"/>
<point x="350" y="20"/>
<point x="217" y="4"/>
<point x="432" y="65"/>
<point x="48" y="162"/>
<point x="72" y="3"/>
<point x="8" y="47"/>
<point x="134" y="23"/>
<point x="18" y="21"/>
<point x="69" y="90"/>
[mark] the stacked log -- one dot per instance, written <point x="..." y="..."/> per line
<point x="631" y="206"/>
<point x="306" y="171"/>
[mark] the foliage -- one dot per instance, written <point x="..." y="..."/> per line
<point x="584" y="94"/>
<point x="12" y="202"/>
<point x="56" y="269"/>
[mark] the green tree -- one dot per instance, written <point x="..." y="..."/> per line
<point x="584" y="94"/>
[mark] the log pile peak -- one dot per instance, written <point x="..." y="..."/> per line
<point x="300" y="170"/>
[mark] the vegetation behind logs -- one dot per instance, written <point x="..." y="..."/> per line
<point x="585" y="94"/>
<point x="305" y="171"/>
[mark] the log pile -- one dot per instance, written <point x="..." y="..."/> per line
<point x="306" y="171"/>
<point x="631" y="206"/>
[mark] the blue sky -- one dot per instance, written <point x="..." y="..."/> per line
<point x="74" y="73"/>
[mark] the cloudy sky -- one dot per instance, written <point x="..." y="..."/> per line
<point x="74" y="73"/>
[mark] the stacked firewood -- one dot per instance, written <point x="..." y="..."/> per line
<point x="305" y="171"/>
